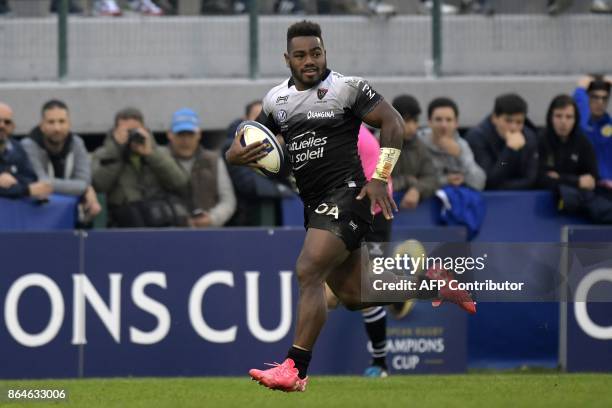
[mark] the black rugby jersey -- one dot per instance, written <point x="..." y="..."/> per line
<point x="320" y="127"/>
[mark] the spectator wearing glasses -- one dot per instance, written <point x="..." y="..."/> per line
<point x="17" y="178"/>
<point x="592" y="96"/>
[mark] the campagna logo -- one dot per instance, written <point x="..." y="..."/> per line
<point x="330" y="114"/>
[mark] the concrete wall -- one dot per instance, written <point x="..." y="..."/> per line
<point x="93" y="104"/>
<point x="218" y="47"/>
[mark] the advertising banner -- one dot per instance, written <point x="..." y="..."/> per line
<point x="36" y="302"/>
<point x="185" y="303"/>
<point x="586" y="317"/>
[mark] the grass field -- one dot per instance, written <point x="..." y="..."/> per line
<point x="471" y="390"/>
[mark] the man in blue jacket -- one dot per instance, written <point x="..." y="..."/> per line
<point x="592" y="96"/>
<point x="17" y="178"/>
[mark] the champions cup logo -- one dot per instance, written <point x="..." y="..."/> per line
<point x="321" y="92"/>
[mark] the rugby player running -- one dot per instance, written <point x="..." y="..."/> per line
<point x="318" y="113"/>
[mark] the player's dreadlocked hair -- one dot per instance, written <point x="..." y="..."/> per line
<point x="303" y="28"/>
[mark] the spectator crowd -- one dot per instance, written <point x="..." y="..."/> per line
<point x="116" y="8"/>
<point x="182" y="184"/>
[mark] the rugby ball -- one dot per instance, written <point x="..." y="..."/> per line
<point x="254" y="131"/>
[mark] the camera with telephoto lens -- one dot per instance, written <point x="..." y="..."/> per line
<point x="134" y="136"/>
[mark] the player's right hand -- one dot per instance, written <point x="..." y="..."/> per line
<point x="248" y="155"/>
<point x="376" y="191"/>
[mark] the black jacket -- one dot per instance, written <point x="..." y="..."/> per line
<point x="506" y="169"/>
<point x="14" y="160"/>
<point x="571" y="159"/>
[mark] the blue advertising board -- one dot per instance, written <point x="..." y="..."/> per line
<point x="188" y="303"/>
<point x="428" y="340"/>
<point x="59" y="212"/>
<point x="586" y="317"/>
<point x="193" y="302"/>
<point x="35" y="293"/>
<point x="502" y="334"/>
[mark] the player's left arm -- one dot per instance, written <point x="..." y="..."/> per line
<point x="389" y="121"/>
<point x="391" y="125"/>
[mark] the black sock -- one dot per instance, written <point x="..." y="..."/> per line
<point x="301" y="358"/>
<point x="375" y="320"/>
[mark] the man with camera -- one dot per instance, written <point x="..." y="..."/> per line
<point x="137" y="176"/>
